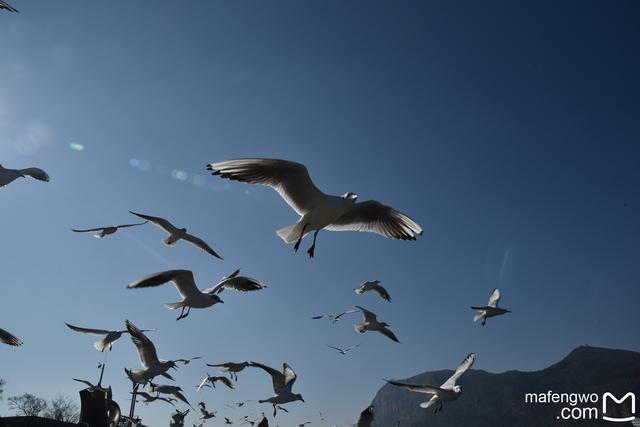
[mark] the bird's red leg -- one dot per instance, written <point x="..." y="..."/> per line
<point x="313" y="245"/>
<point x="297" y="245"/>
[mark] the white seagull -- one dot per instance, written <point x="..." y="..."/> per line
<point x="105" y="231"/>
<point x="491" y="309"/>
<point x="212" y="379"/>
<point x="343" y="351"/>
<point x="6" y="6"/>
<point x="148" y="358"/>
<point x="109" y="336"/>
<point x="149" y="398"/>
<point x="176" y="234"/>
<point x="231" y="367"/>
<point x="317" y="210"/>
<point x="184" y="282"/>
<point x="168" y="389"/>
<point x="334" y="317"/>
<point x="237" y="283"/>
<point x="375" y="286"/>
<point x="10" y="339"/>
<point x="282" y="385"/>
<point x="448" y="391"/>
<point x="7" y="176"/>
<point x="371" y="324"/>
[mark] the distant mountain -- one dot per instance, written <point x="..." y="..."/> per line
<point x="493" y="400"/>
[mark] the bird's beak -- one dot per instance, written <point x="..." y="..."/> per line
<point x="302" y="399"/>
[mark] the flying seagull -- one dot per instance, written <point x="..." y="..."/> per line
<point x="231" y="367"/>
<point x="184" y="282"/>
<point x="282" y="385"/>
<point x="212" y="379"/>
<point x="317" y="210"/>
<point x="105" y="231"/>
<point x="148" y="358"/>
<point x="6" y="6"/>
<point x="176" y="234"/>
<point x="448" y="391"/>
<point x="366" y="417"/>
<point x="168" y="389"/>
<point x="187" y="361"/>
<point x="149" y="398"/>
<point x="109" y="336"/>
<point x="178" y="417"/>
<point x="371" y="324"/>
<point x="343" y="351"/>
<point x="373" y="286"/>
<point x="206" y="414"/>
<point x="7" y="176"/>
<point x="10" y="339"/>
<point x="334" y="317"/>
<point x="491" y="309"/>
<point x="237" y="283"/>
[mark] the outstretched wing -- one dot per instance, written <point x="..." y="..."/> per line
<point x="160" y="222"/>
<point x="237" y="283"/>
<point x="6" y="6"/>
<point x="182" y="279"/>
<point x="131" y="225"/>
<point x="466" y="364"/>
<point x="494" y="298"/>
<point x="377" y="218"/>
<point x="8" y="338"/>
<point x="289" y="376"/>
<point x="87" y="330"/>
<point x="146" y="349"/>
<point x="417" y="388"/>
<point x="368" y="315"/>
<point x="201" y="244"/>
<point x="290" y="179"/>
<point x="36" y="173"/>
<point x="389" y="334"/>
<point x="277" y="377"/>
<point x="86" y="230"/>
<point x="384" y="294"/>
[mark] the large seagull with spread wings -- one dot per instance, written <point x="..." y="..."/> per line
<point x="317" y="210"/>
<point x="448" y="391"/>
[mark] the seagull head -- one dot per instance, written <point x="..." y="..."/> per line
<point x="350" y="196"/>
<point x="298" y="397"/>
<point x="457" y="389"/>
<point x="216" y="299"/>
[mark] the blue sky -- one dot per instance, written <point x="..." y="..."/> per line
<point x="509" y="132"/>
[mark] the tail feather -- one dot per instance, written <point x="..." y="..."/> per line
<point x="290" y="233"/>
<point x="169" y="241"/>
<point x="174" y="305"/>
<point x="478" y="316"/>
<point x="100" y="345"/>
<point x="361" y="327"/>
<point x="429" y="402"/>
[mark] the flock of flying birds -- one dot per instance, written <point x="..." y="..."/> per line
<point x="317" y="211"/>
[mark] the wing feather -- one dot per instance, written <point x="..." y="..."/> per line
<point x="146" y="349"/>
<point x="290" y="179"/>
<point x="466" y="364"/>
<point x="10" y="339"/>
<point x="374" y="217"/>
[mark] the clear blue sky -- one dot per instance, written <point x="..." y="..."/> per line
<point x="508" y="131"/>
